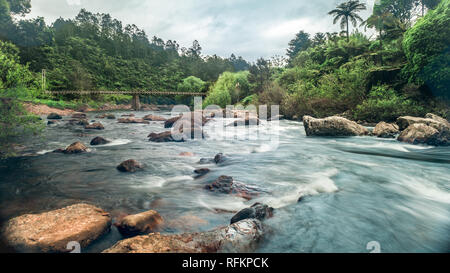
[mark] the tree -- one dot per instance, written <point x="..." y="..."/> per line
<point x="319" y="39"/>
<point x="347" y="12"/>
<point x="19" y="7"/>
<point x="426" y="46"/>
<point x="429" y="4"/>
<point x="260" y="74"/>
<point x="301" y="42"/>
<point x="401" y="9"/>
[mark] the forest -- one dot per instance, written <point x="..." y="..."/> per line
<point x="401" y="70"/>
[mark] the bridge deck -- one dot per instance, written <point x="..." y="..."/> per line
<point x="133" y="92"/>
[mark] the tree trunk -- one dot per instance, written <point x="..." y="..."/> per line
<point x="348" y="34"/>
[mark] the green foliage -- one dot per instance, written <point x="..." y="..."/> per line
<point x="229" y="89"/>
<point x="427" y="49"/>
<point x="348" y="12"/>
<point x="385" y="104"/>
<point x="300" y="43"/>
<point x="12" y="73"/>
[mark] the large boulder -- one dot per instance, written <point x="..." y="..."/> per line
<point x="129" y="166"/>
<point x="138" y="224"/>
<point x="197" y="120"/>
<point x="94" y="126"/>
<point x="75" y="148"/>
<point x="333" y="126"/>
<point x="52" y="231"/>
<point x="240" y="237"/>
<point x="420" y="133"/>
<point x="54" y="116"/>
<point x="386" y="130"/>
<point x="162" y="137"/>
<point x="132" y="120"/>
<point x="226" y="185"/>
<point x="438" y="118"/>
<point x="406" y="121"/>
<point x="154" y="118"/>
<point x="99" y="141"/>
<point x="256" y="211"/>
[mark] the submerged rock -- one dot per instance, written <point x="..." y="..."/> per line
<point x="154" y="118"/>
<point x="54" y="116"/>
<point x="256" y="211"/>
<point x="196" y="121"/>
<point x="141" y="223"/>
<point x="162" y="137"/>
<point x="277" y="117"/>
<point x="94" y="126"/>
<point x="386" y="130"/>
<point x="333" y="126"/>
<point x="129" y="165"/>
<point x="201" y="172"/>
<point x="226" y="185"/>
<point x="187" y="154"/>
<point x="219" y="158"/>
<point x="52" y="231"/>
<point x="239" y="237"/>
<point x="83" y="122"/>
<point x="245" y="122"/>
<point x="99" y="141"/>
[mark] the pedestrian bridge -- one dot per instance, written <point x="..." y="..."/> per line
<point x="136" y="105"/>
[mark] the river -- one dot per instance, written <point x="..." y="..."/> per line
<point x="355" y="190"/>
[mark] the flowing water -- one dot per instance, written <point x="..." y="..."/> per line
<point x="355" y="190"/>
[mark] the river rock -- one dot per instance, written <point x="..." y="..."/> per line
<point x="333" y="126"/>
<point x="187" y="154"/>
<point x="51" y="122"/>
<point x="52" y="231"/>
<point x="420" y="133"/>
<point x="226" y="185"/>
<point x="240" y="237"/>
<point x="256" y="211"/>
<point x="94" y="126"/>
<point x="154" y="118"/>
<point x="141" y="223"/>
<point x="99" y="141"/>
<point x="162" y="137"/>
<point x="277" y="117"/>
<point x="219" y="158"/>
<point x="54" y="116"/>
<point x="83" y="122"/>
<point x="127" y="115"/>
<point x="406" y="121"/>
<point x="75" y="148"/>
<point x="129" y="165"/>
<point x="438" y="118"/>
<point x="79" y="115"/>
<point x="201" y="172"/>
<point x="196" y="120"/>
<point x="132" y="120"/>
<point x="386" y="130"/>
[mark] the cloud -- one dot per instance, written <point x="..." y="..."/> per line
<point x="251" y="28"/>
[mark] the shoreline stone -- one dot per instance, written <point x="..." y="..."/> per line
<point x="138" y="224"/>
<point x="386" y="130"/>
<point x="240" y="237"/>
<point x="51" y="231"/>
<point x="333" y="126"/>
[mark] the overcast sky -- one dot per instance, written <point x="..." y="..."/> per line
<point x="248" y="28"/>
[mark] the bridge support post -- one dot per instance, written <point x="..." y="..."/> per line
<point x="135" y="103"/>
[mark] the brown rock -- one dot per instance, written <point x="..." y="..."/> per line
<point x="94" y="126"/>
<point x="405" y="121"/>
<point x="332" y="126"/>
<point x="99" y="141"/>
<point x="226" y="185"/>
<point x="52" y="231"/>
<point x="154" y="118"/>
<point x="386" y="130"/>
<point x="419" y="133"/>
<point x="438" y="118"/>
<point x="75" y="148"/>
<point x="132" y="120"/>
<point x="256" y="211"/>
<point x="162" y="137"/>
<point x="79" y="115"/>
<point x="54" y="116"/>
<point x="239" y="237"/>
<point x="141" y="223"/>
<point x="129" y="165"/>
<point x="188" y="154"/>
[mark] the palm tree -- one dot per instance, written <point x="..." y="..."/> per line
<point x="348" y="12"/>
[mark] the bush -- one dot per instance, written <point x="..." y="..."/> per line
<point x="229" y="89"/>
<point x="384" y="104"/>
<point x="427" y="48"/>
